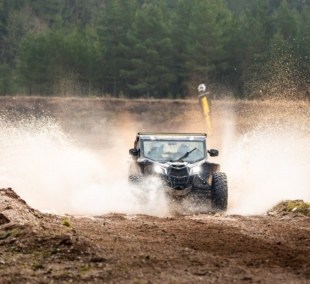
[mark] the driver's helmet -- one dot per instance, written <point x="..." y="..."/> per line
<point x="154" y="147"/>
<point x="183" y="149"/>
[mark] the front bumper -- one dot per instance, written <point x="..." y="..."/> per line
<point x="178" y="193"/>
<point x="185" y="185"/>
<point x="178" y="183"/>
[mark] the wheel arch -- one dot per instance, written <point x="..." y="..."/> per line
<point x="213" y="168"/>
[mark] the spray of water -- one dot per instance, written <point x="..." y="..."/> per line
<point x="269" y="163"/>
<point x="52" y="173"/>
<point x="266" y="162"/>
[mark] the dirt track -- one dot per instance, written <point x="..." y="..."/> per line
<point x="116" y="248"/>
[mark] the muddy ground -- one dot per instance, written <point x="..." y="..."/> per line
<point x="116" y="248"/>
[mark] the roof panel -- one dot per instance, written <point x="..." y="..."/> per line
<point x="171" y="134"/>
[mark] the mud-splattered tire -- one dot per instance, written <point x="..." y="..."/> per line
<point x="219" y="192"/>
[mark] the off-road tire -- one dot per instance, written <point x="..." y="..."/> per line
<point x="219" y="192"/>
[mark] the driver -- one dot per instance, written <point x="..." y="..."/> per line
<point x="155" y="150"/>
<point x="183" y="149"/>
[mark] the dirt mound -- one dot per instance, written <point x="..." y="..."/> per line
<point x="292" y="206"/>
<point x="26" y="230"/>
<point x="15" y="212"/>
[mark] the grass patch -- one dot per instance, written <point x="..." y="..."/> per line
<point x="7" y="235"/>
<point x="54" y="251"/>
<point x="294" y="206"/>
<point x="66" y="223"/>
<point x="85" y="268"/>
<point x="37" y="266"/>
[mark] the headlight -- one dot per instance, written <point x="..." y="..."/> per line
<point x="159" y="170"/>
<point x="195" y="170"/>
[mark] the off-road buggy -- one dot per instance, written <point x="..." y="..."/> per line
<point x="181" y="161"/>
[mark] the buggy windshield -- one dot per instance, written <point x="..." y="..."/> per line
<point x="172" y="150"/>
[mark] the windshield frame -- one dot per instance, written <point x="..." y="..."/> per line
<point x="162" y="139"/>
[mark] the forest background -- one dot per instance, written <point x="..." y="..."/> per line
<point x="155" y="48"/>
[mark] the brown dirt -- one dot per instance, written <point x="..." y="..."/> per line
<point x="115" y="248"/>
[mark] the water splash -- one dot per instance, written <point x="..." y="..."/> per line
<point x="269" y="164"/>
<point x="51" y="172"/>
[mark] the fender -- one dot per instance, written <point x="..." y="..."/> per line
<point x="213" y="168"/>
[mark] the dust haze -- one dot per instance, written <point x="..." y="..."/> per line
<point x="76" y="161"/>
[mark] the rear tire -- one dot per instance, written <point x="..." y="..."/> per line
<point x="219" y="192"/>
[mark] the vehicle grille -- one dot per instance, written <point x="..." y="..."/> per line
<point x="178" y="172"/>
<point x="179" y="181"/>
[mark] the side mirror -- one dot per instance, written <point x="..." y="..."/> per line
<point x="134" y="152"/>
<point x="213" y="153"/>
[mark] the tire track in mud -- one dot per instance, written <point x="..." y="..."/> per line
<point x="119" y="248"/>
<point x="260" y="249"/>
<point x="253" y="246"/>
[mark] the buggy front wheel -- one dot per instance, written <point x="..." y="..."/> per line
<point x="219" y="192"/>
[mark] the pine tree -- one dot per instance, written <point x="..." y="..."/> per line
<point x="112" y="31"/>
<point x="303" y="39"/>
<point x="286" y="21"/>
<point x="4" y="18"/>
<point x="248" y="44"/>
<point x="48" y="11"/>
<point x="181" y="36"/>
<point x="81" y="13"/>
<point x="11" y="32"/>
<point x="303" y="49"/>
<point x="204" y="47"/>
<point x="150" y="73"/>
<point x="33" y="64"/>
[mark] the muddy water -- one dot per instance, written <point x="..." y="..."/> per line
<point x="70" y="155"/>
